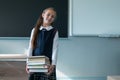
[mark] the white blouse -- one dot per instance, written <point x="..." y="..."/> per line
<point x="55" y="45"/>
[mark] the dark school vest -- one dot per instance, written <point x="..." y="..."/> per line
<point x="45" y="43"/>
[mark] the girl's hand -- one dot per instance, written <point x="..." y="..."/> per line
<point x="27" y="70"/>
<point x="50" y="69"/>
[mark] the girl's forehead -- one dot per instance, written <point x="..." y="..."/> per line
<point x="50" y="11"/>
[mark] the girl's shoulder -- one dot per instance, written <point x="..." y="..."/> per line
<point x="55" y="29"/>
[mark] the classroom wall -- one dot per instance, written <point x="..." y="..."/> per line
<point x="81" y="58"/>
<point x="93" y="57"/>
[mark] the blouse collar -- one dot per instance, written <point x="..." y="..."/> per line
<point x="47" y="28"/>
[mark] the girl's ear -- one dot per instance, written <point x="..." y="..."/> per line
<point x="42" y="15"/>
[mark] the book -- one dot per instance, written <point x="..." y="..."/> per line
<point x="38" y="60"/>
<point x="38" y="63"/>
<point x="38" y="70"/>
<point x="37" y="66"/>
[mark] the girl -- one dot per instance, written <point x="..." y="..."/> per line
<point x="44" y="41"/>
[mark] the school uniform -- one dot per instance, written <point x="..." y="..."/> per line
<point x="47" y="43"/>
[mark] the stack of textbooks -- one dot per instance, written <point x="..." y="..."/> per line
<point x="38" y="63"/>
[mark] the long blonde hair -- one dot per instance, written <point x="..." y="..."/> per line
<point x="37" y="26"/>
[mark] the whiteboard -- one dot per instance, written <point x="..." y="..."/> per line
<point x="96" y="17"/>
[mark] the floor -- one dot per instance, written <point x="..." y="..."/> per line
<point x="13" y="70"/>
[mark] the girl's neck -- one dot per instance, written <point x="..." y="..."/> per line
<point x="46" y="25"/>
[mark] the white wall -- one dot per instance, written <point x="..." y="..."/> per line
<point x="95" y="17"/>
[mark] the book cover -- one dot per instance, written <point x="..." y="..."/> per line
<point x="38" y="70"/>
<point x="37" y="66"/>
<point x="38" y="59"/>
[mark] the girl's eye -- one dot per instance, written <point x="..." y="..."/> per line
<point x="51" y="15"/>
<point x="48" y="14"/>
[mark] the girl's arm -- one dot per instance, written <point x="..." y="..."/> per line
<point x="54" y="54"/>
<point x="55" y="49"/>
<point x="29" y="51"/>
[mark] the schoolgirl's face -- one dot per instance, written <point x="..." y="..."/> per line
<point x="48" y="16"/>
